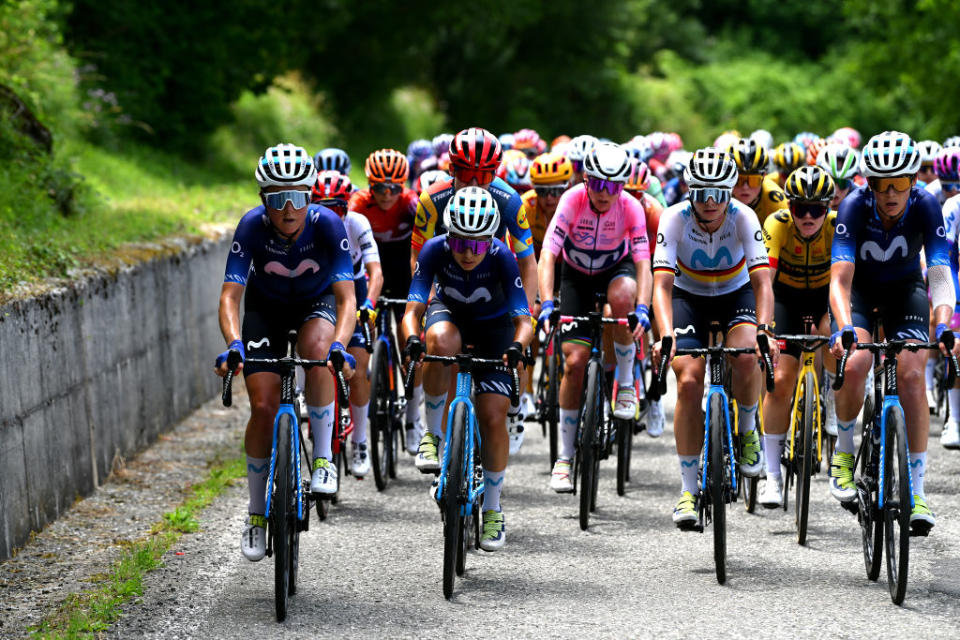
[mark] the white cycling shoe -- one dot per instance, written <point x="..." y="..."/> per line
<point x="626" y="407"/>
<point x="253" y="540"/>
<point x="515" y="431"/>
<point x="655" y="420"/>
<point x="361" y="461"/>
<point x="771" y="497"/>
<point x="950" y="437"/>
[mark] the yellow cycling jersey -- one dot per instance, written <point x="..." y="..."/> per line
<point x="771" y="199"/>
<point x="537" y="221"/>
<point x="801" y="263"/>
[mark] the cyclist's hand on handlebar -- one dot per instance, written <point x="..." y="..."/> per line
<point x="948" y="342"/>
<point x="220" y="367"/>
<point x="413" y="351"/>
<point x="643" y="321"/>
<point x="371" y="311"/>
<point x="546" y="310"/>
<point x="349" y="362"/>
<point x="836" y="346"/>
<point x="513" y="356"/>
<point x="773" y="346"/>
<point x="658" y="351"/>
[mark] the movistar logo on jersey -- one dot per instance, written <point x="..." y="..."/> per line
<point x="711" y="262"/>
<point x="871" y="250"/>
<point x="480" y="294"/>
<point x="305" y="266"/>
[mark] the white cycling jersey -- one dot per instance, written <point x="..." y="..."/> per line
<point x="710" y="264"/>
<point x="935" y="190"/>
<point x="363" y="248"/>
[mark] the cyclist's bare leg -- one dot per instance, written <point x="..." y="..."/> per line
<point x="912" y="390"/>
<point x="492" y="417"/>
<point x="360" y="384"/>
<point x="443" y="339"/>
<point x="574" y="364"/>
<point x="622" y="298"/>
<point x="746" y="373"/>
<point x="263" y="389"/>
<point x="850" y="395"/>
<point x="313" y="343"/>
<point x="687" y="416"/>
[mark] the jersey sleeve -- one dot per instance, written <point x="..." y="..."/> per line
<point x="241" y="253"/>
<point x="775" y="235"/>
<point x="365" y="240"/>
<point x="935" y="245"/>
<point x="844" y="248"/>
<point x="515" y="214"/>
<point x="512" y="284"/>
<point x="424" y="222"/>
<point x="951" y="218"/>
<point x="636" y="228"/>
<point x="559" y="227"/>
<point x="331" y="240"/>
<point x="668" y="238"/>
<point x="751" y="238"/>
<point x="423" y="272"/>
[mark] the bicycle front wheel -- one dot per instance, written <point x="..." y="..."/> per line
<point x="807" y="449"/>
<point x="588" y="441"/>
<point x="553" y="408"/>
<point x="454" y="496"/>
<point x="624" y="444"/>
<point x="281" y="517"/>
<point x="718" y="479"/>
<point x="871" y="524"/>
<point x="896" y="504"/>
<point x="380" y="416"/>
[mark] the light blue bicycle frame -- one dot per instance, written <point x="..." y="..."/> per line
<point x="294" y="457"/>
<point x="889" y="402"/>
<point x="718" y="389"/>
<point x="471" y="442"/>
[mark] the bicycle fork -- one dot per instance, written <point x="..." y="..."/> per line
<point x="294" y="459"/>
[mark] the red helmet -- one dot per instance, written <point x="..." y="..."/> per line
<point x="476" y="149"/>
<point x="331" y="185"/>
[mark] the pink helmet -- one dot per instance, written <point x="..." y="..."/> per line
<point x="947" y="164"/>
<point x="847" y="135"/>
<point x="674" y="141"/>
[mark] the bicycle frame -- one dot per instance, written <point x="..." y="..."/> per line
<point x="715" y="362"/>
<point x="890" y="400"/>
<point x="474" y="492"/>
<point x="286" y="407"/>
<point x="808" y="366"/>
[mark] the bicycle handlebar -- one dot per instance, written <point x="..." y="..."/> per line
<point x="893" y="347"/>
<point x="466" y="358"/>
<point x="363" y="316"/>
<point x="666" y="345"/>
<point x="233" y="361"/>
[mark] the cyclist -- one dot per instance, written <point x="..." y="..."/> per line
<point x="293" y="260"/>
<point x="798" y="246"/>
<point x="787" y="157"/>
<point x="429" y="178"/>
<point x="576" y="151"/>
<point x="876" y="265"/>
<point x="929" y="149"/>
<point x="528" y="141"/>
<point x="674" y="188"/>
<point x="600" y="234"/>
<point x="753" y="188"/>
<point x="417" y="151"/>
<point x="711" y="265"/>
<point x="643" y="182"/>
<point x="332" y="190"/>
<point x="948" y="163"/>
<point x="390" y="209"/>
<point x="332" y="159"/>
<point x="479" y="302"/>
<point x="514" y="169"/>
<point x="842" y="162"/>
<point x="946" y="167"/>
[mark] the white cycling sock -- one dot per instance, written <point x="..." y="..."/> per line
<point x="359" y="413"/>
<point x="773" y="447"/>
<point x="954" y="398"/>
<point x="492" y="488"/>
<point x="918" y="469"/>
<point x="257" y="469"/>
<point x="568" y="431"/>
<point x="434" y="410"/>
<point x="321" y="424"/>
<point x="845" y="436"/>
<point x="748" y="418"/>
<point x="626" y="353"/>
<point x="928" y="372"/>
<point x="413" y="405"/>
<point x="689" y="469"/>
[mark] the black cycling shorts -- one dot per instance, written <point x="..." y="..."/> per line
<point x="578" y="295"/>
<point x="692" y="314"/>
<point x="266" y="323"/>
<point x="794" y="308"/>
<point x="903" y="306"/>
<point x="486" y="338"/>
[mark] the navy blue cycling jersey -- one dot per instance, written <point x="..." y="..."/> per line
<point x="263" y="260"/>
<point x="888" y="255"/>
<point x="491" y="289"/>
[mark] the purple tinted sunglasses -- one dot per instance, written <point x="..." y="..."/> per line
<point x="599" y="184"/>
<point x="460" y="245"/>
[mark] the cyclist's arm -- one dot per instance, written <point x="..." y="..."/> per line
<point x="229" y="313"/>
<point x="639" y="246"/>
<point x="521" y="242"/>
<point x="551" y="251"/>
<point x="420" y="285"/>
<point x="370" y="254"/>
<point x="841" y="280"/>
<point x="775" y="233"/>
<point x="663" y="301"/>
<point x="410" y="325"/>
<point x="374" y="280"/>
<point x="345" y="295"/>
<point x="424" y="226"/>
<point x="545" y="273"/>
<point x="529" y="276"/>
<point x="936" y="248"/>
<point x="664" y="266"/>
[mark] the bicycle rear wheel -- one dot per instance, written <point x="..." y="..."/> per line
<point x="896" y="504"/>
<point x="588" y="451"/>
<point x="381" y="416"/>
<point x="718" y="475"/>
<point x="281" y="518"/>
<point x="807" y="450"/>
<point x="871" y="524"/>
<point x="624" y="444"/>
<point x="553" y="408"/>
<point x="453" y="498"/>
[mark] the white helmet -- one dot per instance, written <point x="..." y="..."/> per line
<point x="678" y="160"/>
<point x="928" y="151"/>
<point x="889" y="154"/>
<point x="840" y="160"/>
<point x="286" y="165"/>
<point x="764" y="138"/>
<point x="711" y="167"/>
<point x="608" y="161"/>
<point x="579" y="147"/>
<point x="430" y="177"/>
<point x="472" y="212"/>
<point x="952" y="141"/>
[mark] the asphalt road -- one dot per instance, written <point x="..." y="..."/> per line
<point x="373" y="569"/>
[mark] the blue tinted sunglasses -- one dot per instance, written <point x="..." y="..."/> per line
<point x="279" y="199"/>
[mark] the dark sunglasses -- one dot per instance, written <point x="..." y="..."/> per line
<point x="482" y="176"/>
<point x="702" y="194"/>
<point x="815" y="210"/>
<point x="460" y="245"/>
<point x="545" y="192"/>
<point x="278" y="200"/>
<point x="599" y="184"/>
<point x="382" y="188"/>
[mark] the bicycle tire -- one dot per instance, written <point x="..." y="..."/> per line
<point x="624" y="443"/>
<point x="871" y="524"/>
<point x="553" y="408"/>
<point x="469" y="522"/>
<point x="588" y="446"/>
<point x="896" y="505"/>
<point x="381" y="432"/>
<point x="717" y="485"/>
<point x="807" y="448"/>
<point x="281" y="520"/>
<point x="751" y="483"/>
<point x="453" y="495"/>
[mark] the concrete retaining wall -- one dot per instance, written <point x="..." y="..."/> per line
<point x="97" y="370"/>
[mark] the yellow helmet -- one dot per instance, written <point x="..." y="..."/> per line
<point x="750" y="155"/>
<point x="549" y="168"/>
<point x="809" y="184"/>
<point x="789" y="156"/>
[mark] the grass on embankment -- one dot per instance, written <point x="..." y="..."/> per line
<point x="91" y="612"/>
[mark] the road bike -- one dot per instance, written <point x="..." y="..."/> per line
<point x="548" y="389"/>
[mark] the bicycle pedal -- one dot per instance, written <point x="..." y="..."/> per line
<point x="920" y="529"/>
<point x="851" y="506"/>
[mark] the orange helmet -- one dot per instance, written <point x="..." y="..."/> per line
<point x="387" y="165"/>
<point x="526" y="139"/>
<point x="813" y="150"/>
<point x="639" y="179"/>
<point x="550" y="168"/>
<point x="559" y="141"/>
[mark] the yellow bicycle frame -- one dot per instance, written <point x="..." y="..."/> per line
<point x="809" y="358"/>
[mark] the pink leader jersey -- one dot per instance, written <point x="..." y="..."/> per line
<point x="592" y="242"/>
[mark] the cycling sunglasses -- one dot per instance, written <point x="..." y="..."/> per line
<point x="949" y="186"/>
<point x="753" y="180"/>
<point x="337" y="205"/>
<point x="482" y="176"/>
<point x="815" y="210"/>
<point x="702" y="194"/>
<point x="382" y="188"/>
<point x="460" y="245"/>
<point x="599" y="184"/>
<point x="278" y="200"/>
<point x="545" y="192"/>
<point x="899" y="184"/>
